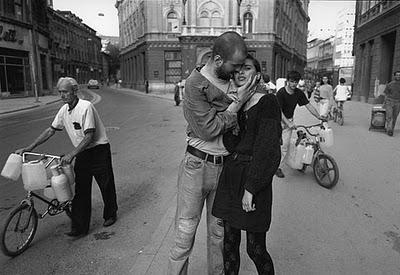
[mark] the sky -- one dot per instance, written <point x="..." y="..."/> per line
<point x="322" y="13"/>
<point x="88" y="11"/>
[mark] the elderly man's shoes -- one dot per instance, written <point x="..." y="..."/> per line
<point x="110" y="221"/>
<point x="76" y="233"/>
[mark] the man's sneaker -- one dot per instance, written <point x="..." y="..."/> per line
<point x="279" y="173"/>
<point x="390" y="133"/>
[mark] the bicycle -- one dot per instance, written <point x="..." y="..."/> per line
<point x="325" y="168"/>
<point x="20" y="226"/>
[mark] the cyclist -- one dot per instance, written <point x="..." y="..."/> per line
<point x="341" y="93"/>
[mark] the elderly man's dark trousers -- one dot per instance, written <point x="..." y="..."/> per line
<point x="93" y="162"/>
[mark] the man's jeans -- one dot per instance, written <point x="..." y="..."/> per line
<point x="197" y="182"/>
<point x="286" y="135"/>
<point x="392" y="111"/>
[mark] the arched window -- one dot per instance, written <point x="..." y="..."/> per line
<point x="247" y="22"/>
<point x="172" y="22"/>
<point x="204" y="19"/>
<point x="216" y="19"/>
<point x="210" y="14"/>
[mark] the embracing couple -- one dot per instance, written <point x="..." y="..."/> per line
<point x="233" y="150"/>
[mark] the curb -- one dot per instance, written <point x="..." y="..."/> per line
<point x="146" y="258"/>
<point x="143" y="94"/>
<point x="22" y="109"/>
<point x="54" y="101"/>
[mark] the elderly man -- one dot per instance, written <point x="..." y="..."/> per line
<point x="392" y="103"/>
<point x="92" y="155"/>
<point x="209" y="113"/>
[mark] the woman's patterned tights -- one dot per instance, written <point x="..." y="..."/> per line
<point x="256" y="249"/>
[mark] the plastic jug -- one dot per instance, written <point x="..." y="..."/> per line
<point x="326" y="137"/>
<point x="34" y="175"/>
<point x="308" y="154"/>
<point x="298" y="160"/>
<point x="68" y="170"/>
<point x="49" y="193"/>
<point x="60" y="185"/>
<point x="12" y="168"/>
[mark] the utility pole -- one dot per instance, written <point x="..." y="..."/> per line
<point x="34" y="58"/>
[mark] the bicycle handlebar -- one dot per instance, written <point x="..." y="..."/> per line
<point x="42" y="156"/>
<point x="311" y="126"/>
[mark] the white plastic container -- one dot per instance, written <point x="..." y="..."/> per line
<point x="12" y="168"/>
<point x="295" y="158"/>
<point x="60" y="185"/>
<point x="49" y="193"/>
<point x="308" y="154"/>
<point x="68" y="170"/>
<point x="326" y="137"/>
<point x="34" y="175"/>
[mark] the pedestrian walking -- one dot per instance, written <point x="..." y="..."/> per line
<point x="289" y="97"/>
<point x="91" y="153"/>
<point x="177" y="96"/>
<point x="340" y="93"/>
<point x="392" y="102"/>
<point x="210" y="112"/>
<point x="326" y="97"/>
<point x="316" y="92"/>
<point x="244" y="194"/>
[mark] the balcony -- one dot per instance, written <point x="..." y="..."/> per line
<point x="375" y="11"/>
<point x="208" y="31"/>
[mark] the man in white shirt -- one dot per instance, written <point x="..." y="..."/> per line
<point x="92" y="155"/>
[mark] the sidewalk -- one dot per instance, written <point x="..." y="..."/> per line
<point x="11" y="105"/>
<point x="168" y="96"/>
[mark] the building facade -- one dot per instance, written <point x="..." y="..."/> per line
<point x="376" y="47"/>
<point x="162" y="41"/>
<point x="24" y="48"/>
<point x="320" y="59"/>
<point x="75" y="48"/>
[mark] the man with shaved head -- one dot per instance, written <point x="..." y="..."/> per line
<point x="91" y="153"/>
<point x="210" y="112"/>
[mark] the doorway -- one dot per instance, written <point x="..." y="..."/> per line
<point x="387" y="55"/>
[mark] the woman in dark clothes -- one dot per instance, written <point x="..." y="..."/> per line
<point x="244" y="194"/>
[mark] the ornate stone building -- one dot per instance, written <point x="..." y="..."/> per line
<point x="163" y="40"/>
<point x="376" y="47"/>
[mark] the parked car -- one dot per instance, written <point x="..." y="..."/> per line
<point x="93" y="84"/>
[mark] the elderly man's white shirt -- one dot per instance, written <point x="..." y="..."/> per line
<point x="81" y="119"/>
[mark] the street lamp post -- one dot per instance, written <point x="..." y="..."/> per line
<point x="239" y="2"/>
<point x="184" y="12"/>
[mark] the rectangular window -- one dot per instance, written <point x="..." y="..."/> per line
<point x="9" y="8"/>
<point x="18" y="9"/>
<point x="173" y="66"/>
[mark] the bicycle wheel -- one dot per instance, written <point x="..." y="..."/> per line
<point x="19" y="230"/>
<point x="340" y="119"/>
<point x="326" y="171"/>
